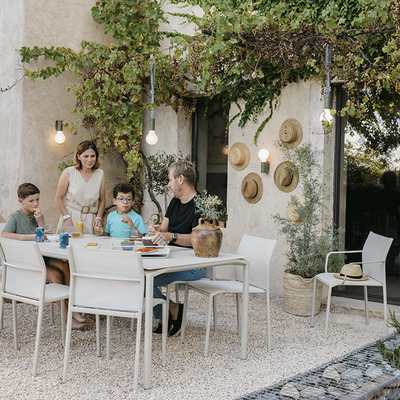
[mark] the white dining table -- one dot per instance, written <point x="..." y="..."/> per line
<point x="179" y="259"/>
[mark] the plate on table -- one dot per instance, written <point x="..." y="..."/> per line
<point x="159" y="252"/>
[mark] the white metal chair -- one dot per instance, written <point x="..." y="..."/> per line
<point x="24" y="280"/>
<point x="259" y="252"/>
<point x="373" y="263"/>
<point x="111" y="283"/>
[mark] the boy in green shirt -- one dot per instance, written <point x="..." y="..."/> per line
<point x="22" y="224"/>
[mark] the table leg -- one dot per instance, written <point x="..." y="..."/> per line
<point x="245" y="310"/>
<point x="148" y="331"/>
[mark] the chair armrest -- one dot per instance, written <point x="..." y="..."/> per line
<point x="338" y="252"/>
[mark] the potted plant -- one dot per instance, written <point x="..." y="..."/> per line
<point x="223" y="218"/>
<point x="207" y="236"/>
<point x="308" y="232"/>
<point x="156" y="177"/>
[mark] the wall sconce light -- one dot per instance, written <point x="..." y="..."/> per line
<point x="263" y="154"/>
<point x="59" y="136"/>
<point x="151" y="137"/>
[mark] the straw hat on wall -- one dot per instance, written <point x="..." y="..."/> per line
<point x="290" y="133"/>
<point x="291" y="210"/>
<point x="239" y="156"/>
<point x="285" y="177"/>
<point x="252" y="188"/>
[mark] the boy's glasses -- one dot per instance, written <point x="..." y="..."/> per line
<point x="125" y="199"/>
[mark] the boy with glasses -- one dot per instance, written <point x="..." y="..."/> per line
<point x="124" y="217"/>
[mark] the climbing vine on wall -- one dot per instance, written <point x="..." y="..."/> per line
<point x="251" y="50"/>
<point x="114" y="78"/>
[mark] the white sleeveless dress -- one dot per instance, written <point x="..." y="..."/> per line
<point x="82" y="194"/>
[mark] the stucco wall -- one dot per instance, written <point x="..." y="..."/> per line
<point x="303" y="102"/>
<point x="28" y="112"/>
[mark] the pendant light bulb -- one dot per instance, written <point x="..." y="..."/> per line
<point x="152" y="138"/>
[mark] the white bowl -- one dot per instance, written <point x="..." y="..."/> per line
<point x="53" y="237"/>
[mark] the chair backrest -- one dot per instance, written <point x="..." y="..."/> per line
<point x="259" y="252"/>
<point x="24" y="271"/>
<point x="106" y="279"/>
<point x="376" y="248"/>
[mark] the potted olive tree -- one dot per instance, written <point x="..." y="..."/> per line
<point x="207" y="236"/>
<point x="156" y="178"/>
<point x="308" y="231"/>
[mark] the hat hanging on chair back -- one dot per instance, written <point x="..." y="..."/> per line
<point x="354" y="273"/>
<point x="252" y="188"/>
<point x="286" y="176"/>
<point x="239" y="156"/>
<point x="290" y="133"/>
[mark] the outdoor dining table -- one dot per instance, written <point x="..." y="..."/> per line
<point x="179" y="259"/>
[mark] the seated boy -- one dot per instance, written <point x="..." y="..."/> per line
<point x="22" y="224"/>
<point x="124" y="217"/>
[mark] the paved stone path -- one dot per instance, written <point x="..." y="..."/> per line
<point x="361" y="374"/>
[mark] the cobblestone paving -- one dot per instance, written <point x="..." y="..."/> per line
<point x="361" y="374"/>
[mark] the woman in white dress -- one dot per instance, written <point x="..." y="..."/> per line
<point x="83" y="187"/>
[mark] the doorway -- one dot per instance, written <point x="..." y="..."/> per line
<point x="210" y="149"/>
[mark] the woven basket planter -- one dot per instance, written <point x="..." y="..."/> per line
<point x="298" y="294"/>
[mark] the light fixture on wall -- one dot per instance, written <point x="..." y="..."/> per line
<point x="263" y="155"/>
<point x="151" y="137"/>
<point x="59" y="136"/>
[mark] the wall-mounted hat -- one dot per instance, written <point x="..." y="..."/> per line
<point x="239" y="156"/>
<point x="290" y="133"/>
<point x="286" y="176"/>
<point x="291" y="210"/>
<point x="354" y="273"/>
<point x="252" y="188"/>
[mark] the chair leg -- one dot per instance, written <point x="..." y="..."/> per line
<point x="313" y="302"/>
<point x="38" y="335"/>
<point x="109" y="337"/>
<point x="210" y="303"/>
<point x="238" y="316"/>
<point x="215" y="313"/>
<point x="328" y="307"/>
<point x="167" y="298"/>
<point x="366" y="305"/>
<point x="136" y="372"/>
<point x="67" y="346"/>
<point x="1" y="313"/>
<point x="185" y="303"/>
<point x="51" y="314"/>
<point x="164" y="334"/>
<point x="98" y="335"/>
<point x="62" y="321"/>
<point x="14" y="307"/>
<point x="177" y="293"/>
<point x="268" y="320"/>
<point x="385" y="309"/>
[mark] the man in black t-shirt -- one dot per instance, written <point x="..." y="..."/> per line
<point x="176" y="227"/>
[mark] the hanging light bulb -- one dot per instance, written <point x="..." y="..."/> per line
<point x="59" y="136"/>
<point x="151" y="137"/>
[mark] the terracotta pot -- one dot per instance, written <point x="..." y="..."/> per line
<point x="298" y="294"/>
<point x="206" y="238"/>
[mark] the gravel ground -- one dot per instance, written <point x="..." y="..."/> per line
<point x="296" y="347"/>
